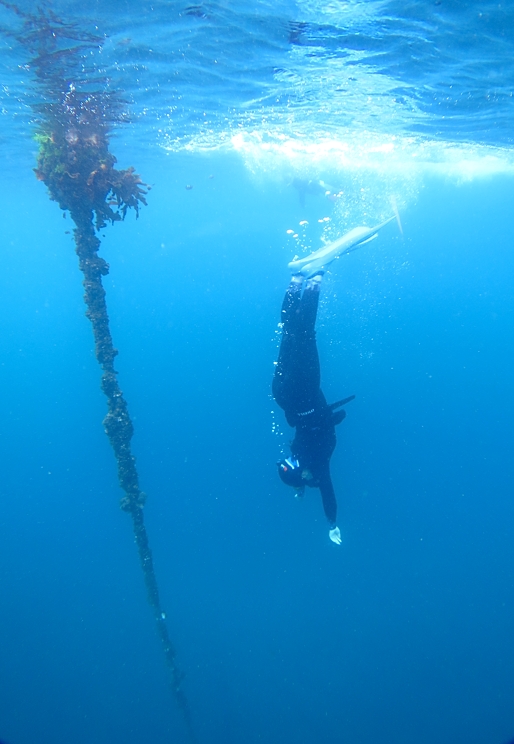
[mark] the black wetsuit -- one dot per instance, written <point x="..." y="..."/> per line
<point x="296" y="388"/>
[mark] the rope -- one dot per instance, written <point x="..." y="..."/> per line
<point x="119" y="429"/>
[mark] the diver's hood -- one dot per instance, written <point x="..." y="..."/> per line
<point x="290" y="472"/>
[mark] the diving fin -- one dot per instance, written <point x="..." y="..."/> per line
<point x="318" y="261"/>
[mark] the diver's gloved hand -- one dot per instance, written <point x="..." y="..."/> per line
<point x="335" y="536"/>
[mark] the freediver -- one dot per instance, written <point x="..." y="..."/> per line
<point x="296" y="382"/>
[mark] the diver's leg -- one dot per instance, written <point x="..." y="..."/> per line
<point x="291" y="304"/>
<point x="283" y="379"/>
<point x="309" y="304"/>
<point x="297" y="373"/>
<point x="309" y="349"/>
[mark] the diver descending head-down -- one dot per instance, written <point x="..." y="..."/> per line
<point x="296" y="382"/>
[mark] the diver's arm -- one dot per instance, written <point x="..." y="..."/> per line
<point x="329" y="503"/>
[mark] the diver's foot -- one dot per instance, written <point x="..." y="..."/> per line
<point x="315" y="267"/>
<point x="296" y="283"/>
<point x="316" y="263"/>
<point x="314" y="282"/>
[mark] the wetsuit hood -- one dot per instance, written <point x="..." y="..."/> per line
<point x="290" y="472"/>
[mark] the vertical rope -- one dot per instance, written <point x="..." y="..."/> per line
<point x="119" y="429"/>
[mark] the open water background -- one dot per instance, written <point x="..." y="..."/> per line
<point x="404" y="633"/>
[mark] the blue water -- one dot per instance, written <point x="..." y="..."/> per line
<point x="403" y="634"/>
